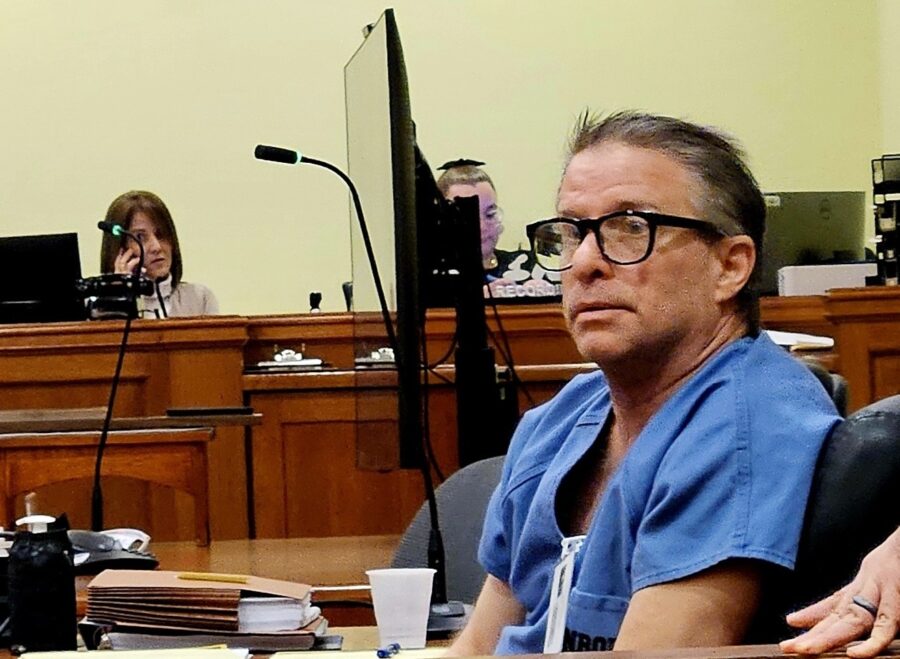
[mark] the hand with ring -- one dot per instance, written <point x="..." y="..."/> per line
<point x="869" y="604"/>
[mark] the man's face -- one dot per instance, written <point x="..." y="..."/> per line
<point x="157" y="249"/>
<point x="491" y="226"/>
<point x="649" y="309"/>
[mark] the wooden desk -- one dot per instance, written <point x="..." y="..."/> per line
<point x="723" y="652"/>
<point x="366" y="638"/>
<point x="332" y="561"/>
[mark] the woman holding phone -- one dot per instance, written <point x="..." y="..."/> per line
<point x="145" y="215"/>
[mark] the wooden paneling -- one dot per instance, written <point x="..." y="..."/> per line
<point x="314" y="467"/>
<point x="868" y="339"/>
<point x="802" y="313"/>
<point x="60" y="466"/>
<point x="308" y="479"/>
<point x="172" y="363"/>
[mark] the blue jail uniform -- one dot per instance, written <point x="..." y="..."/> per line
<point x="722" y="470"/>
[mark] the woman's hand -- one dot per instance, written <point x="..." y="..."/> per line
<point x="127" y="261"/>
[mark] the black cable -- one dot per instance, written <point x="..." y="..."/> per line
<point x="370" y="252"/>
<point x="427" y="446"/>
<point x="507" y="355"/>
<point x="505" y="349"/>
<point x="389" y="327"/>
<point x="97" y="492"/>
<point x="447" y="355"/>
<point x="436" y="558"/>
<point x="159" y="297"/>
<point x="442" y="378"/>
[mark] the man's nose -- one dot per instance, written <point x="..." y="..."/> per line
<point x="588" y="260"/>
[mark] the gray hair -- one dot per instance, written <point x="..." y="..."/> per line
<point x="730" y="196"/>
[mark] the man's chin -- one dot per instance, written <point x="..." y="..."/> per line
<point x="606" y="350"/>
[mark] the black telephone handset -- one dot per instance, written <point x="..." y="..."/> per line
<point x="122" y="549"/>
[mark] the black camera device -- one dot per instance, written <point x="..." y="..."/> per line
<point x="113" y="295"/>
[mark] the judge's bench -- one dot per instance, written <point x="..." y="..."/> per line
<point x="320" y="463"/>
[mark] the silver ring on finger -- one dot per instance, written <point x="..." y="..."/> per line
<point x="862" y="602"/>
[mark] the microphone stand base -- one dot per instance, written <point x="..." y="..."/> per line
<point x="447" y="618"/>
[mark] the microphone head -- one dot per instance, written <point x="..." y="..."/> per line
<point x="111" y="227"/>
<point x="276" y="154"/>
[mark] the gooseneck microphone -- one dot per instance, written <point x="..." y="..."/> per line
<point x="436" y="557"/>
<point x="276" y="154"/>
<point x="289" y="157"/>
<point x="116" y="230"/>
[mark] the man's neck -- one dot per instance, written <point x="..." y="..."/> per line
<point x="638" y="390"/>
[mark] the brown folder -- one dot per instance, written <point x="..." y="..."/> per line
<point x="177" y="600"/>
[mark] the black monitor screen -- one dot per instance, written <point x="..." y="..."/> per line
<point x="37" y="279"/>
<point x="381" y="161"/>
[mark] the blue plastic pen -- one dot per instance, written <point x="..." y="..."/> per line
<point x="389" y="651"/>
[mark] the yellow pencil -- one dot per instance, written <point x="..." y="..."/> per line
<point x="210" y="576"/>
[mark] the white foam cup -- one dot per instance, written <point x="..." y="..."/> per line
<point x="402" y="600"/>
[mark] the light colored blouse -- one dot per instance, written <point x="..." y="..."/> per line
<point x="186" y="299"/>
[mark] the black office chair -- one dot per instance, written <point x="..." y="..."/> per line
<point x="835" y="385"/>
<point x="462" y="501"/>
<point x="854" y="505"/>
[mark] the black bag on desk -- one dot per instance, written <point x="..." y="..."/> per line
<point x="42" y="591"/>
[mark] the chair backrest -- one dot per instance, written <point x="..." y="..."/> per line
<point x="854" y="505"/>
<point x="835" y="385"/>
<point x="462" y="501"/>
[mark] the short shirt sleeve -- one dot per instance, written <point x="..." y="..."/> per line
<point x="732" y="485"/>
<point x="497" y="537"/>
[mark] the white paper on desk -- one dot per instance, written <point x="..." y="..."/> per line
<point x="424" y="653"/>
<point x="790" y="339"/>
<point x="186" y="653"/>
<point x="336" y="589"/>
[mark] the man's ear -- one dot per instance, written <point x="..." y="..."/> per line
<point x="737" y="256"/>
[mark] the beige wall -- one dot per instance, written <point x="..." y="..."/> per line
<point x="101" y="96"/>
<point x="889" y="33"/>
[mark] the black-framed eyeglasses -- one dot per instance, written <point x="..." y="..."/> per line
<point x="624" y="237"/>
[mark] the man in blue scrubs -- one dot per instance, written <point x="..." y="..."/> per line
<point x="682" y="468"/>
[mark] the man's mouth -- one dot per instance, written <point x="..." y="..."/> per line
<point x="590" y="307"/>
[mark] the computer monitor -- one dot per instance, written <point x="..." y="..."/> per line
<point x="808" y="228"/>
<point x="37" y="279"/>
<point x="421" y="243"/>
<point x="381" y="162"/>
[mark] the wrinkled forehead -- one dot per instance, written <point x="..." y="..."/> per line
<point x="614" y="176"/>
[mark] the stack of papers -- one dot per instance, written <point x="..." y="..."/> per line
<point x="799" y="341"/>
<point x="192" y="653"/>
<point x="144" y="608"/>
